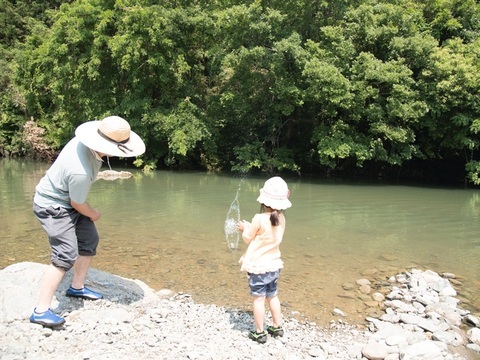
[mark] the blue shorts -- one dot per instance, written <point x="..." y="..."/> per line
<point x="70" y="234"/>
<point x="264" y="284"/>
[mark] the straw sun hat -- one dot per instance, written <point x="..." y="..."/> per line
<point x="111" y="136"/>
<point x="275" y="194"/>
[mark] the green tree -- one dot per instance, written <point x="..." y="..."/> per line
<point x="451" y="85"/>
<point x="263" y="85"/>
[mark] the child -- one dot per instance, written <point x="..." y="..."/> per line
<point x="262" y="260"/>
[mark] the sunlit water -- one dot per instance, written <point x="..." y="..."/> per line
<point x="168" y="230"/>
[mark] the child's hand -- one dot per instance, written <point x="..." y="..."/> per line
<point x="240" y="225"/>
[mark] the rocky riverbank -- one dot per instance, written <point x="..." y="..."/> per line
<point x="421" y="320"/>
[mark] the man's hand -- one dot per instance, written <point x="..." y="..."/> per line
<point x="86" y="210"/>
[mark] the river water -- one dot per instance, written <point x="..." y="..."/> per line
<point x="168" y="230"/>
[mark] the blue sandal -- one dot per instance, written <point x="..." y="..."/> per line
<point x="47" y="318"/>
<point x="84" y="293"/>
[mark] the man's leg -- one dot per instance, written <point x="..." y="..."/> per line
<point x="78" y="289"/>
<point x="82" y="264"/>
<point x="87" y="241"/>
<point x="50" y="281"/>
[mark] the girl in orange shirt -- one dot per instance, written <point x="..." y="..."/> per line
<point x="262" y="259"/>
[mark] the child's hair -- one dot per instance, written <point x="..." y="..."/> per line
<point x="274" y="220"/>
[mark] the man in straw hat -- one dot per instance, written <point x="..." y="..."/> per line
<point x="69" y="221"/>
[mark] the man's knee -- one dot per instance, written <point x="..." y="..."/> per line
<point x="64" y="265"/>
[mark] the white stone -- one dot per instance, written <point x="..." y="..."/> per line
<point x="395" y="295"/>
<point x="427" y="298"/>
<point x="448" y="291"/>
<point x="446" y="337"/>
<point x="474" y="335"/>
<point x="440" y="284"/>
<point x="417" y="282"/>
<point x="392" y="357"/>
<point x="431" y="273"/>
<point x="409" y="319"/>
<point x="375" y="350"/>
<point x="424" y="350"/>
<point x="391" y="318"/>
<point x="355" y="351"/>
<point x="470" y="319"/>
<point x="450" y="301"/>
<point x="427" y="325"/>
<point x="395" y="340"/>
<point x="316" y="353"/>
<point x="420" y="308"/>
<point x="338" y="312"/>
<point x="400" y="306"/>
<point x="473" y="347"/>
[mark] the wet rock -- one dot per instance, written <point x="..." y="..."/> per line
<point x="471" y="320"/>
<point x="363" y="282"/>
<point x="113" y="175"/>
<point x="338" y="312"/>
<point x="348" y="286"/>
<point x="378" y="297"/>
<point x="365" y="289"/>
<point x="449" y="275"/>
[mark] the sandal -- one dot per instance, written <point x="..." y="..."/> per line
<point x="275" y="331"/>
<point x="47" y="318"/>
<point x="258" y="337"/>
<point x="84" y="293"/>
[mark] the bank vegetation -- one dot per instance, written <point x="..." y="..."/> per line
<point x="362" y="88"/>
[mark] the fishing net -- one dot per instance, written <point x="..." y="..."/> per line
<point x="232" y="235"/>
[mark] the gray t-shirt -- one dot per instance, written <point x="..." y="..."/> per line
<point x="69" y="178"/>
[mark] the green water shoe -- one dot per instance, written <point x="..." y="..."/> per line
<point x="258" y="337"/>
<point x="275" y="331"/>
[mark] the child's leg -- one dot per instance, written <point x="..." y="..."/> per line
<point x="259" y="312"/>
<point x="276" y="310"/>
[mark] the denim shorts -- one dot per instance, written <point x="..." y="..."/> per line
<point x="70" y="234"/>
<point x="263" y="284"/>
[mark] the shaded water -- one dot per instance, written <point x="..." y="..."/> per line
<point x="168" y="229"/>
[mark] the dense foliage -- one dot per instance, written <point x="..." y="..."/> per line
<point x="337" y="87"/>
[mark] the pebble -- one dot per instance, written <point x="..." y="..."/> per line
<point x="134" y="321"/>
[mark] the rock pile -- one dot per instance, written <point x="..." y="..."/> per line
<point x="422" y="319"/>
<point x="421" y="322"/>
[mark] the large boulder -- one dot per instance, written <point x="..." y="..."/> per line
<point x="20" y="287"/>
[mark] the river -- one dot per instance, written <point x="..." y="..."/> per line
<point x="168" y="229"/>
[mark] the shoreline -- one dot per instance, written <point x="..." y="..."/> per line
<point x="135" y="319"/>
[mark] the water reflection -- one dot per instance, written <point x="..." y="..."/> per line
<point x="167" y="229"/>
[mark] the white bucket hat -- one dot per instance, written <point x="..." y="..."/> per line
<point x="275" y="194"/>
<point x="111" y="136"/>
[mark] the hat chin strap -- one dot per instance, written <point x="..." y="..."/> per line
<point x="120" y="144"/>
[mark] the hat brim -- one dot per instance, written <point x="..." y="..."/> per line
<point x="87" y="134"/>
<point x="273" y="203"/>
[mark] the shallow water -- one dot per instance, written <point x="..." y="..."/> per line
<point x="168" y="229"/>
